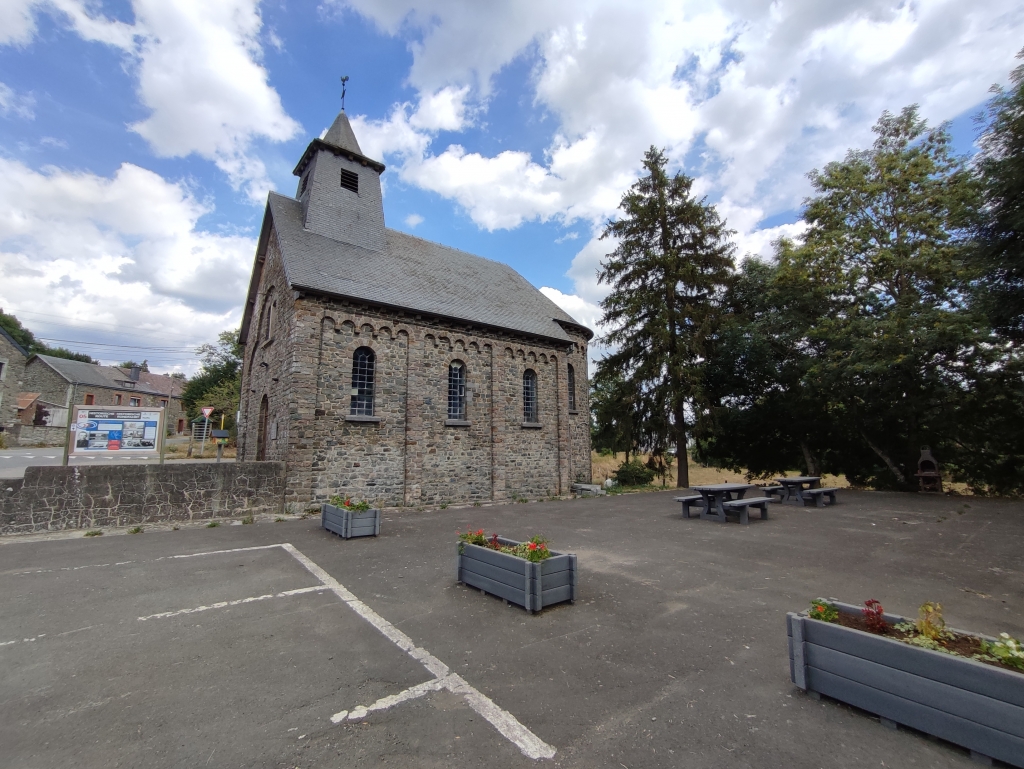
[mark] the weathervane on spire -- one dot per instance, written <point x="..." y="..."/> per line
<point x="344" y="80"/>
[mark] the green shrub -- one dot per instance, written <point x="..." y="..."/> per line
<point x="634" y="474"/>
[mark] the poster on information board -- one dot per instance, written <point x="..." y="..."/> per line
<point x="113" y="430"/>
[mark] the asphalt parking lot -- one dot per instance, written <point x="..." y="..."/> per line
<point x="279" y="645"/>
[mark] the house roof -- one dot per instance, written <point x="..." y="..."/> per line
<point x="25" y="399"/>
<point x="340" y="134"/>
<point x="111" y="377"/>
<point x="415" y="274"/>
<point x="9" y="338"/>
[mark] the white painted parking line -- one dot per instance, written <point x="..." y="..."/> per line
<point x="384" y="703"/>
<point x="528" y="743"/>
<point x="237" y="602"/>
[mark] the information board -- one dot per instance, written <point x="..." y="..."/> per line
<point x="116" y="430"/>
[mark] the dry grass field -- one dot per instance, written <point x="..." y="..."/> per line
<point x="604" y="466"/>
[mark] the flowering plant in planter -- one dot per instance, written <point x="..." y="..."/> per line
<point x="928" y="632"/>
<point x="534" y="550"/>
<point x="338" y="501"/>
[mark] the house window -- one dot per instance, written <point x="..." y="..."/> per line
<point x="89" y="399"/>
<point x="163" y="402"/>
<point x="362" y="382"/>
<point x="530" y="396"/>
<point x="269" y="312"/>
<point x="117" y="399"/>
<point x="2" y="368"/>
<point x="572" y="388"/>
<point x="350" y="180"/>
<point x="457" y="390"/>
<point x="302" y="184"/>
<point x="134" y="402"/>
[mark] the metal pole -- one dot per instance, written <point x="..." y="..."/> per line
<point x="163" y="434"/>
<point x="206" y="428"/>
<point x="71" y="408"/>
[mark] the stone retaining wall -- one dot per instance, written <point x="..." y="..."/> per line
<point x="34" y="435"/>
<point x="57" y="498"/>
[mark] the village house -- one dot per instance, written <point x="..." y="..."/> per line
<point x="52" y="385"/>
<point x="12" y="372"/>
<point x="385" y="367"/>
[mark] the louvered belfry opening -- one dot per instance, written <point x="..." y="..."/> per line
<point x="350" y="180"/>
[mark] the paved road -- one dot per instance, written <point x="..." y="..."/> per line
<point x="277" y="645"/>
<point x="14" y="461"/>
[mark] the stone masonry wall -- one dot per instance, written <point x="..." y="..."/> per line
<point x="406" y="454"/>
<point x="12" y="375"/>
<point x="267" y="365"/>
<point x="40" y="378"/>
<point x="33" y="435"/>
<point x="58" y="498"/>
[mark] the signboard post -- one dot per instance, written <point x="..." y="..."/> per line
<point x="207" y="411"/>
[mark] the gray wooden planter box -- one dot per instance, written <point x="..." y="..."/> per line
<point x="530" y="585"/>
<point x="350" y="523"/>
<point x="960" y="700"/>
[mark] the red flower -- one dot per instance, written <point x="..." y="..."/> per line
<point x="480" y="532"/>
<point x="533" y="545"/>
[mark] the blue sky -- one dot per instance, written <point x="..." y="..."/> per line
<point x="138" y="139"/>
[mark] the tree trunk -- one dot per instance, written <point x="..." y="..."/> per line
<point x="888" y="462"/>
<point x="683" y="475"/>
<point x="809" y="460"/>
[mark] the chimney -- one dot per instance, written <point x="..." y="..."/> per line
<point x="134" y="375"/>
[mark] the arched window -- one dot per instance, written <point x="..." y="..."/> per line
<point x="530" y="396"/>
<point x="269" y="310"/>
<point x="363" y="361"/>
<point x="261" y="431"/>
<point x="572" y="388"/>
<point x="457" y="390"/>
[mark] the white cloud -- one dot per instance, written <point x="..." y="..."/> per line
<point x="15" y="104"/>
<point x="124" y="251"/>
<point x="200" y="75"/>
<point x="413" y="220"/>
<point x="17" y="24"/>
<point x="755" y="94"/>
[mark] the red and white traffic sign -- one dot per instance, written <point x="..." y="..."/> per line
<point x="207" y="410"/>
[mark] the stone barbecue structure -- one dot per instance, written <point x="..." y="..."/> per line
<point x="385" y="367"/>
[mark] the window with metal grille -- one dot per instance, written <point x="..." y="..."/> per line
<point x="362" y="382"/>
<point x="457" y="390"/>
<point x="350" y="180"/>
<point x="530" y="395"/>
<point x="572" y="388"/>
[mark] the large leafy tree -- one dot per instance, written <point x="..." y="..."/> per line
<point x="887" y="246"/>
<point x="218" y="381"/>
<point x="671" y="266"/>
<point x="1001" y="234"/>
<point x="767" y="414"/>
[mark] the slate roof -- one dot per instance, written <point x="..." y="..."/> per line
<point x="111" y="377"/>
<point x="415" y="274"/>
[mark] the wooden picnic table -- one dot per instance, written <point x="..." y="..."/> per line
<point x="795" y="485"/>
<point x="716" y="494"/>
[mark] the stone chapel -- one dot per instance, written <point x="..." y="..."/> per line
<point x="385" y="367"/>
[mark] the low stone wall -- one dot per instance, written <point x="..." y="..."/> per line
<point x="57" y="498"/>
<point x="34" y="435"/>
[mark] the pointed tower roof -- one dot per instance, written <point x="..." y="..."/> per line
<point x="340" y="134"/>
<point x="341" y="140"/>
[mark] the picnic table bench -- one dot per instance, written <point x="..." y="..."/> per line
<point x="818" y="496"/>
<point x="799" y="485"/>
<point x="742" y="506"/>
<point x="694" y="499"/>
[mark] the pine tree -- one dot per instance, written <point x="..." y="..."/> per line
<point x="671" y="266"/>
